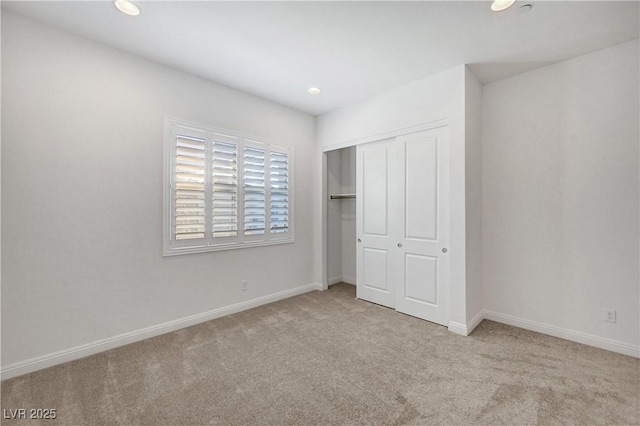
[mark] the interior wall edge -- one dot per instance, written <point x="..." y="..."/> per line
<point x="349" y="280"/>
<point x="466" y="329"/>
<point x="334" y="280"/>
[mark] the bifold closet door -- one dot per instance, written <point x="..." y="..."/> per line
<point x="402" y="224"/>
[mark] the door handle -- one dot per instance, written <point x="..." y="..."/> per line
<point x="359" y="240"/>
<point x="400" y="245"/>
<point x="444" y="250"/>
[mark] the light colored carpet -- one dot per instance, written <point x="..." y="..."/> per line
<point x="327" y="358"/>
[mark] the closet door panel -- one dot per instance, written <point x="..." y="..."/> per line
<point x="375" y="198"/>
<point x="421" y="179"/>
<point x="422" y="289"/>
<point x="421" y="277"/>
<point x="402" y="223"/>
<point x="375" y="267"/>
<point x="375" y="191"/>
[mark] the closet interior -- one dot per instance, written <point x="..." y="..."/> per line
<point x="341" y="216"/>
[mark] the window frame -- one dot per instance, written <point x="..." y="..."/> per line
<point x="210" y="134"/>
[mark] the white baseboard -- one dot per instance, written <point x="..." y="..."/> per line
<point x="475" y="321"/>
<point x="349" y="280"/>
<point x="466" y="329"/>
<point x="341" y="279"/>
<point x="38" y="363"/>
<point x="563" y="333"/>
<point x="458" y="328"/>
<point x="334" y="280"/>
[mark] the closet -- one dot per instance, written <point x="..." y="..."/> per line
<point x="388" y="220"/>
<point x="402" y="223"/>
<point x="341" y="216"/>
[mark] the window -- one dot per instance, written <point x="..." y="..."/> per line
<point x="224" y="191"/>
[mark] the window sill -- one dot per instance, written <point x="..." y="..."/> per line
<point x="224" y="247"/>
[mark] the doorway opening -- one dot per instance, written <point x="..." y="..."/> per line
<point x="341" y="216"/>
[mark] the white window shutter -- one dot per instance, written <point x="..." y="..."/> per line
<point x="189" y="191"/>
<point x="279" y="192"/>
<point x="254" y="191"/>
<point x="224" y="189"/>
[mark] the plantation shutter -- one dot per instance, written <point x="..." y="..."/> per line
<point x="223" y="191"/>
<point x="254" y="191"/>
<point x="279" y="190"/>
<point x="224" y="179"/>
<point x="189" y="192"/>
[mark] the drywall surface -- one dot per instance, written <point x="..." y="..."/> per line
<point x="334" y="220"/>
<point x="348" y="214"/>
<point x="438" y="99"/>
<point x="82" y="182"/>
<point x="427" y="100"/>
<point x="561" y="189"/>
<point x="473" y="192"/>
<point x="341" y="216"/>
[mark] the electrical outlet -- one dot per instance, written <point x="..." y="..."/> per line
<point x="243" y="285"/>
<point x="609" y="315"/>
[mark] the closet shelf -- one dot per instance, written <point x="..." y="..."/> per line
<point x="342" y="196"/>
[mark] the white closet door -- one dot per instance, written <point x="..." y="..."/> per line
<point x="423" y="282"/>
<point x="376" y="200"/>
<point x="402" y="224"/>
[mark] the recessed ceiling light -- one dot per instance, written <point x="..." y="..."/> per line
<point x="314" y="90"/>
<point x="500" y="5"/>
<point x="127" y="7"/>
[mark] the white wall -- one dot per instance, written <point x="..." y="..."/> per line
<point x="334" y="218"/>
<point x="431" y="99"/>
<point x="348" y="214"/>
<point x="437" y="99"/>
<point x="561" y="195"/>
<point x="473" y="198"/>
<point x="82" y="194"/>
<point x="341" y="216"/>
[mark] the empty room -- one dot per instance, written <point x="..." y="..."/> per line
<point x="320" y="213"/>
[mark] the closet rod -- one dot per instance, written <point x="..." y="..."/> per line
<point x="342" y="196"/>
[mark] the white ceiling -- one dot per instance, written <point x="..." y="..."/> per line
<point x="351" y="50"/>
